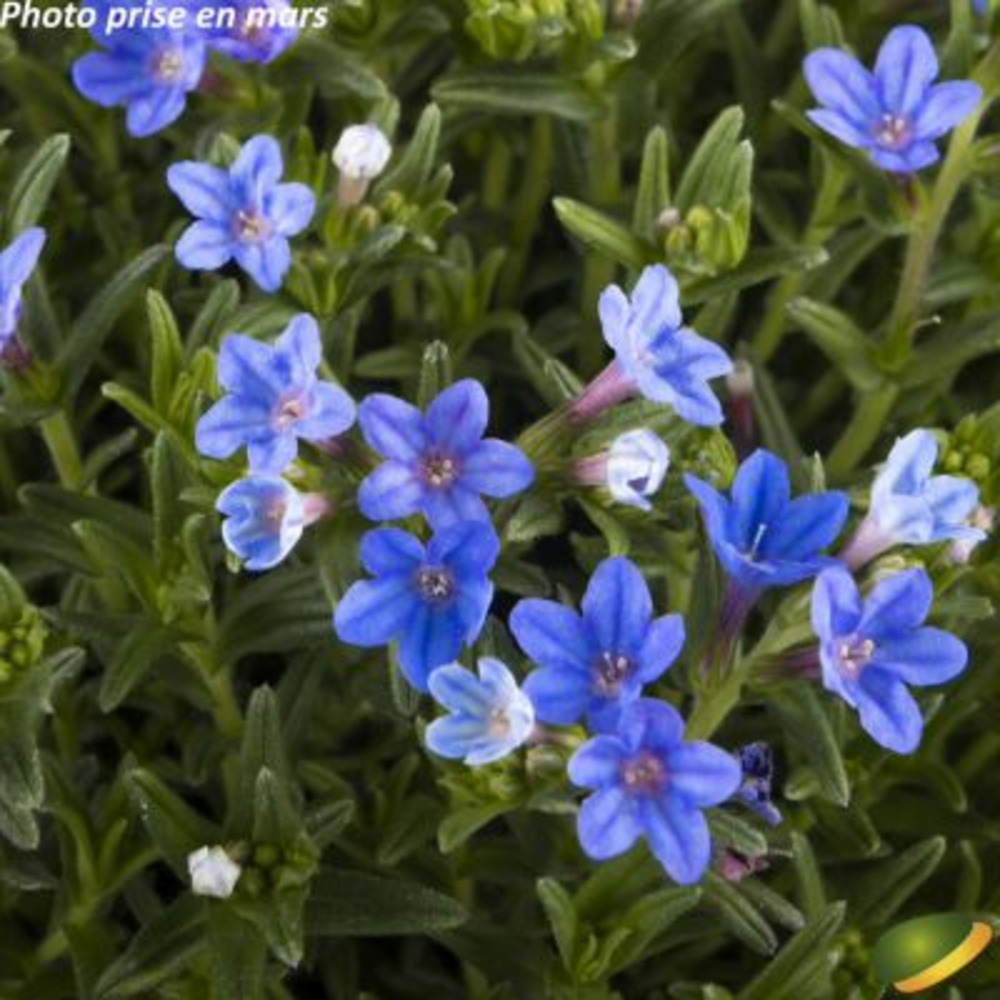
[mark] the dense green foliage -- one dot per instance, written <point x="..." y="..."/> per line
<point x="153" y="699"/>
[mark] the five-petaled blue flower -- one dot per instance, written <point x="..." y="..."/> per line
<point x="249" y="31"/>
<point x="762" y="537"/>
<point x="896" y="113"/>
<point x="909" y="506"/>
<point x="596" y="663"/>
<point x="437" y="464"/>
<point x="490" y="717"/>
<point x="16" y="264"/>
<point x="655" y="354"/>
<point x="432" y="599"/>
<point x="273" y="399"/>
<point x="649" y="782"/>
<point x="149" y="71"/>
<point x="265" y="517"/>
<point x="244" y="213"/>
<point x="871" y="649"/>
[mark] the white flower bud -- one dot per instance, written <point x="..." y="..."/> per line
<point x="361" y="154"/>
<point x="637" y="462"/>
<point x="213" y="872"/>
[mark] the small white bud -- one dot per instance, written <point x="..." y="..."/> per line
<point x="740" y="381"/>
<point x="637" y="463"/>
<point x="213" y="872"/>
<point x="361" y="154"/>
<point x="961" y="550"/>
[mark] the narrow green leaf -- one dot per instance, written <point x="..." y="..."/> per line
<point x="507" y="92"/>
<point x="29" y="195"/>
<point x="167" y="350"/>
<point x="738" y="914"/>
<point x="653" y="194"/>
<point x="143" y="649"/>
<point x="879" y="894"/>
<point x="600" y="232"/>
<point x="559" y="909"/>
<point x="837" y="336"/>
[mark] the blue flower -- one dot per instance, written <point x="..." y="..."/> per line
<point x="149" y="71"/>
<point x="757" y="766"/>
<point x="244" y="213"/>
<point x="896" y="113"/>
<point x="872" y="649"/>
<point x="265" y="518"/>
<point x="980" y="6"/>
<point x="432" y="600"/>
<point x="256" y="33"/>
<point x="595" y="663"/>
<point x="438" y="463"/>
<point x="650" y="783"/>
<point x="491" y="716"/>
<point x="762" y="537"/>
<point x="273" y="399"/>
<point x="655" y="355"/>
<point x="909" y="506"/>
<point x="16" y="264"/>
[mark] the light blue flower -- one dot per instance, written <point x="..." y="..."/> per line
<point x="649" y="783"/>
<point x="433" y="600"/>
<point x="763" y="537"/>
<point x="909" y="506"/>
<point x="16" y="265"/>
<point x="244" y="213"/>
<point x="637" y="464"/>
<point x="265" y="518"/>
<point x="490" y="715"/>
<point x="896" y="113"/>
<point x="256" y="34"/>
<point x="148" y="71"/>
<point x="438" y="463"/>
<point x="596" y="663"/>
<point x="273" y="399"/>
<point x="872" y="649"/>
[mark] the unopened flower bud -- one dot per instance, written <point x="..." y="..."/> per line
<point x="361" y="154"/>
<point x="213" y="872"/>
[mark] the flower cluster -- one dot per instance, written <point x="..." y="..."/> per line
<point x="149" y="66"/>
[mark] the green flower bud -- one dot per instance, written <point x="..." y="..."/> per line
<point x="709" y="455"/>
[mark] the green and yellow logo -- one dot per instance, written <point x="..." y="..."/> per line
<point x="921" y="953"/>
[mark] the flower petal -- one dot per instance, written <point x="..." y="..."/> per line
<point x="945" y="106"/>
<point x="331" y="412"/>
<point x="203" y="190"/>
<point x="390" y="551"/>
<point x="392" y="491"/>
<point x="597" y="763"/>
<point x="257" y="169"/>
<point x="290" y="207"/>
<point x="662" y="645"/>
<point x="267" y="263"/>
<point x="617" y="606"/>
<point x="906" y="66"/>
<point x="836" y="604"/>
<point x="906" y="161"/>
<point x="702" y="773"/>
<point x="808" y="525"/>
<point x="470" y="548"/>
<point x="205" y="246"/>
<point x="395" y="429"/>
<point x="760" y="498"/>
<point x="551" y="635"/>
<point x="497" y="469"/>
<point x="227" y="426"/>
<point x="272" y="454"/>
<point x="888" y="712"/>
<point x="431" y="638"/>
<point x="374" y="612"/>
<point x="608" y="824"/>
<point x="455" y="736"/>
<point x="837" y="124"/>
<point x="897" y="605"/>
<point x="109" y="80"/>
<point x="925" y="656"/>
<point x="154" y="110"/>
<point x="613" y="308"/>
<point x="560" y="697"/>
<point x="457" y="418"/>
<point x="839" y="82"/>
<point x="678" y="835"/>
<point x="459" y="690"/>
<point x="714" y="507"/>
<point x="19" y="260"/>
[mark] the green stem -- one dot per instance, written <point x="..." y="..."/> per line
<point x="59" y="439"/>
<point x="712" y="707"/>
<point x="866" y="424"/>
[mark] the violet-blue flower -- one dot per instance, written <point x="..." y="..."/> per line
<point x="656" y="356"/>
<point x="756" y="762"/>
<point x="17" y="262"/>
<point x="265" y="518"/>
<point x="596" y="663"/>
<point x="872" y="648"/>
<point x="250" y="31"/>
<point x="438" y="463"/>
<point x="490" y="715"/>
<point x="895" y="113"/>
<point x="909" y="506"/>
<point x="244" y="213"/>
<point x="649" y="783"/>
<point x="432" y="600"/>
<point x="149" y="71"/>
<point x="273" y="399"/>
<point x="762" y="537"/>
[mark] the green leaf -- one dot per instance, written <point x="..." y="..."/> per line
<point x="239" y="957"/>
<point x="647" y="919"/>
<point x="837" y="336"/>
<point x="738" y="914"/>
<point x="352" y="904"/>
<point x="30" y="193"/>
<point x="512" y="92"/>
<point x="275" y="819"/>
<point x="435" y="373"/>
<point x="804" y="718"/>
<point x="21" y="788"/>
<point x="99" y="317"/>
<point x="879" y="894"/>
<point x="172" y="824"/>
<point x="784" y="977"/>
<point x="718" y="173"/>
<point x="142" y="650"/>
<point x="733" y="831"/>
<point x="460" y="824"/>
<point x="416" y="166"/>
<point x="561" y="913"/>
<point x="600" y="232"/>
<point x="167" y="350"/>
<point x="756" y="268"/>
<point x="162" y="949"/>
<point x="262" y="749"/>
<point x="653" y="194"/>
